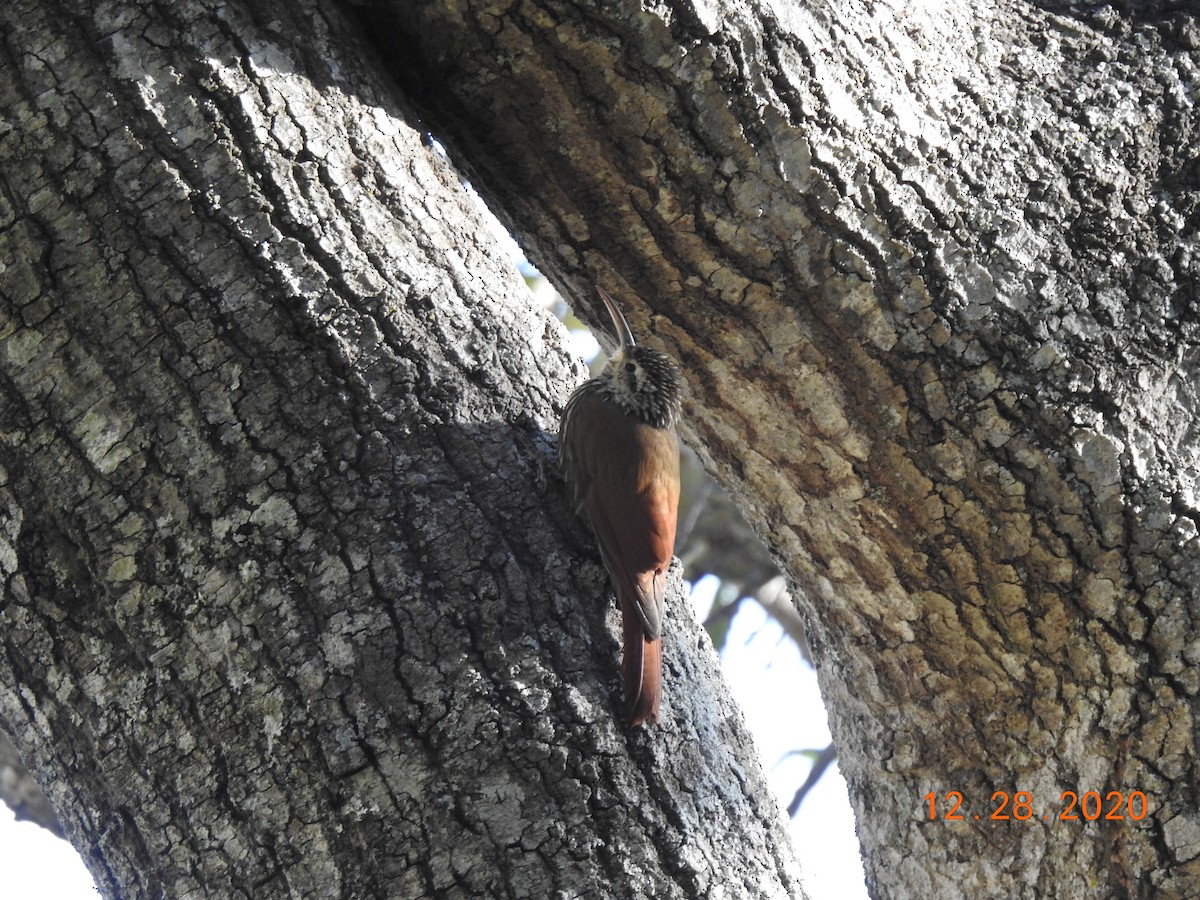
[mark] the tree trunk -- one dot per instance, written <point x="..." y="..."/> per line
<point x="292" y="604"/>
<point x="932" y="272"/>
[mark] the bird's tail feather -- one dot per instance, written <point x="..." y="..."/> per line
<point x="641" y="666"/>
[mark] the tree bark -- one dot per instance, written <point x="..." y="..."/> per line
<point x="292" y="604"/>
<point x="932" y="272"/>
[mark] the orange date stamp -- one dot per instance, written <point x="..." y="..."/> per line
<point x="1071" y="807"/>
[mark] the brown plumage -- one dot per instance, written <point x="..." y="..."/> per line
<point x="620" y="457"/>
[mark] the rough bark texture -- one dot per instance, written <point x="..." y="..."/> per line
<point x="291" y="605"/>
<point x="932" y="271"/>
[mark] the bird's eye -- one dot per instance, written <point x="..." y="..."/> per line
<point x="630" y="367"/>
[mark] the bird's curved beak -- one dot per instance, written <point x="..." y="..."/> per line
<point x="624" y="335"/>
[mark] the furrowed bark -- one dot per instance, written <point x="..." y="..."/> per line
<point x="291" y="603"/>
<point x="932" y="275"/>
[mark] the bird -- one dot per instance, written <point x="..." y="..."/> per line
<point x="619" y="454"/>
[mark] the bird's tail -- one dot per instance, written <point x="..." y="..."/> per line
<point x="641" y="665"/>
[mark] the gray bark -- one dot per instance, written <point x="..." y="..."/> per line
<point x="932" y="270"/>
<point x="291" y="603"/>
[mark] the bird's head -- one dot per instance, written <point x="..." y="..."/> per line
<point x="644" y="382"/>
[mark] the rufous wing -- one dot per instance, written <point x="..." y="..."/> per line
<point x="626" y="477"/>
